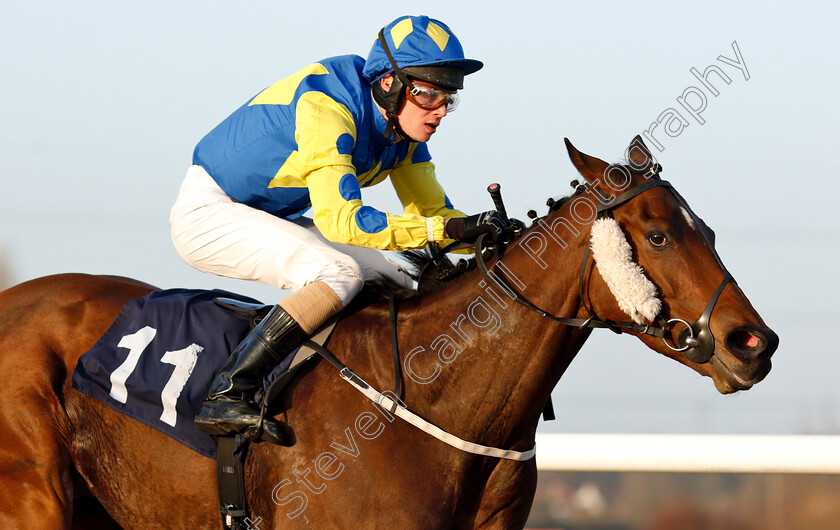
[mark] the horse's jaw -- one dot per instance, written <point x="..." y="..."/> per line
<point x="727" y="380"/>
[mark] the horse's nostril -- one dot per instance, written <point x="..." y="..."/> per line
<point x="750" y="342"/>
<point x="747" y="339"/>
<point x="745" y="343"/>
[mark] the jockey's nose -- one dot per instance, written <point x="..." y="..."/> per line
<point x="749" y="343"/>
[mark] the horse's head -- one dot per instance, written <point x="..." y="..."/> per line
<point x="682" y="286"/>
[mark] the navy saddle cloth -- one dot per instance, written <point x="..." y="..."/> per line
<point x="157" y="360"/>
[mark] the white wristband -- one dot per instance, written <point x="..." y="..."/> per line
<point x="430" y="229"/>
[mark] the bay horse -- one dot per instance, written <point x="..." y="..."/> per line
<point x="476" y="364"/>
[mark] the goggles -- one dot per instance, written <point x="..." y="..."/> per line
<point x="429" y="98"/>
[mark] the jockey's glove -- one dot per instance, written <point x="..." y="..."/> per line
<point x="467" y="229"/>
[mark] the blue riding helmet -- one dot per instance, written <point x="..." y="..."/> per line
<point x="420" y="48"/>
<point x="414" y="42"/>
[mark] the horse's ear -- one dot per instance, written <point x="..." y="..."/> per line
<point x="638" y="155"/>
<point x="590" y="167"/>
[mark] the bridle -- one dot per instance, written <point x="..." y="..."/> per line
<point x="696" y="341"/>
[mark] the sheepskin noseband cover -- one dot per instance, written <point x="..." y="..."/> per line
<point x="636" y="295"/>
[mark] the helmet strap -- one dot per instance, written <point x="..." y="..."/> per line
<point x="394" y="126"/>
<point x="397" y="72"/>
<point x="394" y="102"/>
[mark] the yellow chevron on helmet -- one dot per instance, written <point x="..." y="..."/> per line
<point x="438" y="34"/>
<point x="400" y="31"/>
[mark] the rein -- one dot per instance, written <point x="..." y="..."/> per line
<point x="696" y="341"/>
<point x="399" y="409"/>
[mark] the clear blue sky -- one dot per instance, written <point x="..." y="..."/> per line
<point x="103" y="102"/>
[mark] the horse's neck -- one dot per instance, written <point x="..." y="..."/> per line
<point x="484" y="365"/>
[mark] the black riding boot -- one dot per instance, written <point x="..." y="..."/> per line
<point x="228" y="407"/>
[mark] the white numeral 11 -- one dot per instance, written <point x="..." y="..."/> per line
<point x="184" y="361"/>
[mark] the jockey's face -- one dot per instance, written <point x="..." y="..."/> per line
<point x="418" y="123"/>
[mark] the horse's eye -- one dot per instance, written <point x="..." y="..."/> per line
<point x="658" y="239"/>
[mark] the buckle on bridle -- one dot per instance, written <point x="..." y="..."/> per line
<point x="690" y="341"/>
<point x="348" y="375"/>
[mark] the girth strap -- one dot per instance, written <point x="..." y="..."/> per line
<point x="231" y="481"/>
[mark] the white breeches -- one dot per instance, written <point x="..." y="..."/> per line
<point x="219" y="235"/>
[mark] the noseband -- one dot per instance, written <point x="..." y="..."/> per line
<point x="696" y="341"/>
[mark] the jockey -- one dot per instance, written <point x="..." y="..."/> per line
<point x="313" y="140"/>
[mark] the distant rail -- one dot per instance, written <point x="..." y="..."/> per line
<point x="689" y="453"/>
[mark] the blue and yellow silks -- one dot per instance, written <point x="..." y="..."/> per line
<point x="314" y="139"/>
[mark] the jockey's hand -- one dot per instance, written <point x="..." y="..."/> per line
<point x="467" y="229"/>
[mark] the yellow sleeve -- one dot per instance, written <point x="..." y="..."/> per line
<point x="420" y="192"/>
<point x="325" y="134"/>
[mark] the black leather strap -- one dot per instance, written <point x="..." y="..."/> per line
<point x="548" y="410"/>
<point x="342" y="368"/>
<point x="230" y="475"/>
<point x="632" y="192"/>
<point x="392" y="310"/>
